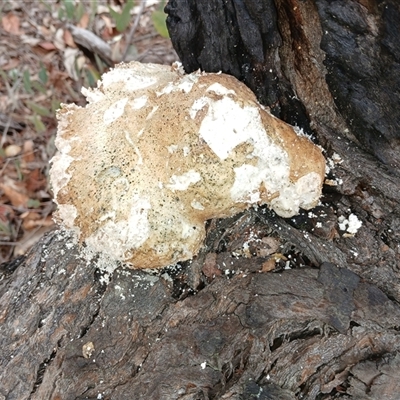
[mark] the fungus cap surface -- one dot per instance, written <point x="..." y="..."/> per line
<point x="155" y="153"/>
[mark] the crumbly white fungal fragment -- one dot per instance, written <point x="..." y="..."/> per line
<point x="187" y="83"/>
<point x="88" y="349"/>
<point x="173" y="148"/>
<point x="217" y="88"/>
<point x="354" y="224"/>
<point x="228" y="124"/>
<point x="114" y="111"/>
<point x="92" y="96"/>
<point x="140" y="158"/>
<point x="351" y="224"/>
<point x="156" y="153"/>
<point x="152" y="112"/>
<point x="130" y="233"/>
<point x="68" y="213"/>
<point x="336" y="158"/>
<point x="197" y="205"/>
<point x="58" y="174"/>
<point x="307" y="188"/>
<point x="198" y="105"/>
<point x="182" y="182"/>
<point x="131" y="80"/>
<point x="248" y="179"/>
<point x="166" y="90"/>
<point x="138" y="103"/>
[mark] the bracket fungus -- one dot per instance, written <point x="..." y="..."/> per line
<point x="156" y="152"/>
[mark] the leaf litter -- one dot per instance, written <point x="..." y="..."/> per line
<point x="43" y="64"/>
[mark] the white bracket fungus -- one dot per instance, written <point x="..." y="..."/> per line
<point x="155" y="153"/>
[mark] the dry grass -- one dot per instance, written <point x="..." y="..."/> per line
<point x="41" y="66"/>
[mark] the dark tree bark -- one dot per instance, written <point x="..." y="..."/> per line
<point x="221" y="326"/>
<point x="304" y="59"/>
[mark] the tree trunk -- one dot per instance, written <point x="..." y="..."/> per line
<point x="272" y="308"/>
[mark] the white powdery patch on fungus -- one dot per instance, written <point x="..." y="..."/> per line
<point x="155" y="153"/>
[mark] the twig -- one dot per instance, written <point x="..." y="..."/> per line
<point x="133" y="29"/>
<point x="90" y="42"/>
<point x="5" y="131"/>
<point x="144" y="37"/>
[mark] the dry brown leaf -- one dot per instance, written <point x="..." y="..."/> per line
<point x="6" y="213"/>
<point x="279" y="256"/>
<point x="58" y="39"/>
<point x="27" y="215"/>
<point x="268" y="265"/>
<point x="210" y="268"/>
<point x="12" y="63"/>
<point x="40" y="51"/>
<point x="69" y="58"/>
<point x="116" y="51"/>
<point x="15" y="193"/>
<point x="68" y="39"/>
<point x="47" y="45"/>
<point x="84" y="21"/>
<point x="11" y="24"/>
<point x="12" y="150"/>
<point x="109" y="27"/>
<point x="28" y="151"/>
<point x="29" y="239"/>
<point x="268" y="246"/>
<point x="45" y="32"/>
<point x="35" y="180"/>
<point x="29" y="224"/>
<point x="4" y="101"/>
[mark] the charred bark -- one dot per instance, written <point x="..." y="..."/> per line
<point x="271" y="308"/>
<point x="297" y="333"/>
<point x="293" y="53"/>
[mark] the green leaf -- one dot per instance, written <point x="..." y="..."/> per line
<point x="99" y="64"/>
<point x="80" y="10"/>
<point x="27" y="81"/>
<point x="44" y="112"/>
<point x="37" y="122"/>
<point x="43" y="74"/>
<point x="46" y="4"/>
<point x="33" y="203"/>
<point x="159" y="17"/>
<point x="3" y="75"/>
<point x="55" y="105"/>
<point x="39" y="87"/>
<point x="61" y="14"/>
<point x="114" y="14"/>
<point x="69" y="8"/>
<point x="132" y="52"/>
<point x="17" y="166"/>
<point x="92" y="77"/>
<point x="93" y="12"/>
<point x="122" y="20"/>
<point x="14" y="74"/>
<point x="5" y="228"/>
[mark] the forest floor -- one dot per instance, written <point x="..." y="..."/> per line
<point x="45" y="61"/>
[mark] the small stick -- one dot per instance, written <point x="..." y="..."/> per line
<point x="133" y="28"/>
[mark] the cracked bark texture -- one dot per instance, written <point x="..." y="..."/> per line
<point x="222" y="327"/>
